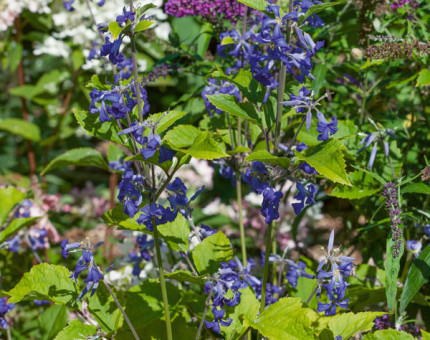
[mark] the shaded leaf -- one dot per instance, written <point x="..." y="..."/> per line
<point x="14" y="226"/>
<point x="21" y="127"/>
<point x="176" y="233"/>
<point x="52" y="320"/>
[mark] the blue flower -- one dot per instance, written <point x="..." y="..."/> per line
<point x="68" y="5"/>
<point x="127" y="15"/>
<point x="241" y="47"/>
<point x="65" y="247"/>
<point x="179" y="201"/>
<point x="112" y="50"/>
<point x="335" y="296"/>
<point x="92" y="281"/>
<point x="215" y="325"/>
<point x="13" y="244"/>
<point x="295" y="271"/>
<point x="414" y="247"/>
<point x="305" y="196"/>
<point x="325" y="128"/>
<point x="217" y="87"/>
<point x="160" y="214"/>
<point x="375" y="138"/>
<point x="83" y="263"/>
<point x="153" y="143"/>
<point x="270" y="206"/>
<point x="105" y="97"/>
<point x="130" y="192"/>
<point x="5" y="308"/>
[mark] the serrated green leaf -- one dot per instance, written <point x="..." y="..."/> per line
<point x="229" y="103"/>
<point x="388" y="334"/>
<point x="392" y="268"/>
<point x="327" y="159"/>
<point x="259" y="5"/>
<point x="348" y="324"/>
<point x="285" y="319"/>
<point x="266" y="157"/>
<point x="166" y="119"/>
<point x="76" y="330"/>
<point x="15" y="226"/>
<point x="182" y="136"/>
<point x="248" y="306"/>
<point x="117" y="217"/>
<point x="78" y="157"/>
<point x="318" y="8"/>
<point x="417" y="188"/>
<point x="418" y="275"/>
<point x="21" y="128"/>
<point x="143" y="25"/>
<point x="104" y="309"/>
<point x="52" y="320"/>
<point x="211" y="252"/>
<point x="45" y="282"/>
<point x="104" y="131"/>
<point x="363" y="185"/>
<point x="9" y="197"/>
<point x="204" y="147"/>
<point x="115" y="29"/>
<point x="423" y="78"/>
<point x="176" y="233"/>
<point x="186" y="276"/>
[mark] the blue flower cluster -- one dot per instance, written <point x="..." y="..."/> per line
<point x="86" y="261"/>
<point x="143" y="254"/>
<point x="295" y="271"/>
<point x="271" y="197"/>
<point x="379" y="136"/>
<point x="332" y="273"/>
<point x="178" y="197"/>
<point x="217" y="87"/>
<point x="130" y="191"/>
<point x="5" y="308"/>
<point x="305" y="196"/>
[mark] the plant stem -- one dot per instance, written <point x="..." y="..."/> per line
<point x="207" y="304"/>
<point x="406" y="267"/>
<point x="312" y="294"/>
<point x="121" y="309"/>
<point x="241" y="226"/>
<point x="281" y="90"/>
<point x="295" y="136"/>
<point x="230" y="130"/>
<point x="136" y="75"/>
<point x="266" y="266"/>
<point x="163" y="284"/>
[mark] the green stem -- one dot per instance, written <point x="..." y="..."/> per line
<point x="162" y="283"/>
<point x="121" y="309"/>
<point x="275" y="282"/>
<point x="295" y="136"/>
<point x="266" y="267"/>
<point x="207" y="304"/>
<point x="281" y="90"/>
<point x="406" y="268"/>
<point x="312" y="294"/>
<point x="241" y="226"/>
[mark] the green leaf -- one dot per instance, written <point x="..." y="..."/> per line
<point x="348" y="324"/>
<point x="388" y="334"/>
<point x="203" y="41"/>
<point x="211" y="252"/>
<point x="166" y="119"/>
<point x="104" y="309"/>
<point x="144" y="25"/>
<point x="423" y="78"/>
<point x="266" y="157"/>
<point x="417" y="188"/>
<point x="392" y="268"/>
<point x="52" y="320"/>
<point x="363" y="185"/>
<point x="327" y="159"/>
<point x="372" y="62"/>
<point x="26" y="91"/>
<point x="104" y="131"/>
<point x="21" y="128"/>
<point x="318" y="8"/>
<point x="419" y="274"/>
<point x="346" y="129"/>
<point x="247" y="307"/>
<point x="425" y="335"/>
<point x="186" y="276"/>
<point x="14" y="226"/>
<point x="45" y="282"/>
<point x="115" y="29"/>
<point x="285" y="319"/>
<point x="114" y="153"/>
<point x="259" y="5"/>
<point x="76" y="330"/>
<point x="9" y="197"/>
<point x="117" y="217"/>
<point x="176" y="233"/>
<point x="229" y="103"/>
<point x="204" y="147"/>
<point x="78" y="157"/>
<point x="182" y="136"/>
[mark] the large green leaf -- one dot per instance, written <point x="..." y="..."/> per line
<point x="166" y="119"/>
<point x="417" y="188"/>
<point x="176" y="233"/>
<point x="204" y="147"/>
<point x="348" y="324"/>
<point x="266" y="157"/>
<point x="327" y="159"/>
<point x="52" y="320"/>
<point x="423" y="78"/>
<point x="363" y="185"/>
<point x="185" y="276"/>
<point x="104" y="309"/>
<point x="9" y="197"/>
<point x="76" y="330"/>
<point x="105" y="131"/>
<point x="388" y="334"/>
<point x="15" y="226"/>
<point x="229" y="103"/>
<point x="248" y="306"/>
<point x="419" y="274"/>
<point x="21" y="127"/>
<point x="45" y="282"/>
<point x="392" y="268"/>
<point x="211" y="252"/>
<point x="79" y="157"/>
<point x="181" y="136"/>
<point x="285" y="319"/>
